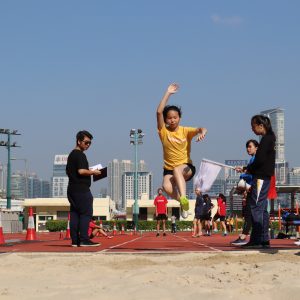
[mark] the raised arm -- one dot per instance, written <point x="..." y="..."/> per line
<point x="201" y="134"/>
<point x="172" y="89"/>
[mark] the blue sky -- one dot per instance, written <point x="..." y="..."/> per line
<point x="104" y="65"/>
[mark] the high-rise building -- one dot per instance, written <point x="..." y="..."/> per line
<point x="218" y="186"/>
<point x="145" y="186"/>
<point x="294" y="176"/>
<point x="45" y="189"/>
<point x="33" y="186"/>
<point x="232" y="176"/>
<point x="18" y="185"/>
<point x="276" y="116"/>
<point x="60" y="179"/>
<point x="115" y="171"/>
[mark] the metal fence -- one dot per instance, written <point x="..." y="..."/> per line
<point x="12" y="226"/>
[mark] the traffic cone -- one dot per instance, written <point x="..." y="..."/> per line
<point x="31" y="234"/>
<point x="2" y="241"/>
<point x="115" y="229"/>
<point x="122" y="230"/>
<point x="68" y="234"/>
<point x="61" y="235"/>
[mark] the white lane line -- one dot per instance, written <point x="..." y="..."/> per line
<point x="200" y="244"/>
<point x="122" y="244"/>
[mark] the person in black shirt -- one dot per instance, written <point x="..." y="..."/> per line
<point x="79" y="194"/>
<point x="198" y="213"/>
<point x="261" y="169"/>
<point x="206" y="213"/>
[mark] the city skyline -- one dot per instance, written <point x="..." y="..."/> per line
<point x="105" y="66"/>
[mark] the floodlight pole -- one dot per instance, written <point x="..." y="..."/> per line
<point x="8" y="145"/>
<point x="136" y="139"/>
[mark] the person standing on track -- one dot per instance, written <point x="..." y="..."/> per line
<point x="161" y="211"/>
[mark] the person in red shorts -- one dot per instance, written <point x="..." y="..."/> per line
<point x="161" y="211"/>
<point x="94" y="230"/>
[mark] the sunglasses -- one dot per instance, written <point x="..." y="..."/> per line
<point x="87" y="142"/>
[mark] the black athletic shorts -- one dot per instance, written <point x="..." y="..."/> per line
<point x="216" y="217"/>
<point x="193" y="169"/>
<point x="161" y="217"/>
<point x="206" y="217"/>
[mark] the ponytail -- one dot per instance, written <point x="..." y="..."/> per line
<point x="263" y="120"/>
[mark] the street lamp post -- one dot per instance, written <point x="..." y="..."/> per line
<point x="136" y="136"/>
<point x="8" y="145"/>
<point x="26" y="174"/>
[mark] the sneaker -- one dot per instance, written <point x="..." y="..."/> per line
<point x="157" y="234"/>
<point x="297" y="243"/>
<point x="239" y="242"/>
<point x="266" y="244"/>
<point x="184" y="214"/>
<point x="225" y="234"/>
<point x="251" y="245"/>
<point x="75" y="245"/>
<point x="164" y="234"/>
<point x="89" y="244"/>
<point x="184" y="202"/>
<point x="216" y="230"/>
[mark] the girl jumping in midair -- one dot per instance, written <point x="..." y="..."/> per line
<point x="176" y="142"/>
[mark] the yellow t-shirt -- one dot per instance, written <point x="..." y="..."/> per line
<point x="176" y="145"/>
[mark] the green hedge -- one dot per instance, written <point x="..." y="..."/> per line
<point x="58" y="225"/>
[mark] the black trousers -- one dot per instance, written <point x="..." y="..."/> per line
<point x="259" y="212"/>
<point x="247" y="215"/>
<point x="81" y="213"/>
<point x="173" y="228"/>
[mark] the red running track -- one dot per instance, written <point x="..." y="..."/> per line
<point x="140" y="243"/>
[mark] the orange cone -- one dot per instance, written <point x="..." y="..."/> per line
<point x="122" y="230"/>
<point x="68" y="234"/>
<point x="2" y="241"/>
<point x="115" y="229"/>
<point x="31" y="234"/>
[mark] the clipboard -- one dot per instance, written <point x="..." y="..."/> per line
<point x="102" y="175"/>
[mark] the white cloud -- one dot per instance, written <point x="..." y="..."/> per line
<point x="230" y="21"/>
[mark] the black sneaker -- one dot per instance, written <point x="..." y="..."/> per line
<point x="266" y="245"/>
<point x="89" y="244"/>
<point x="157" y="234"/>
<point x="239" y="242"/>
<point x="251" y="245"/>
<point x="164" y="234"/>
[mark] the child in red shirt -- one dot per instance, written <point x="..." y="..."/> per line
<point x="94" y="230"/>
<point x="221" y="214"/>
